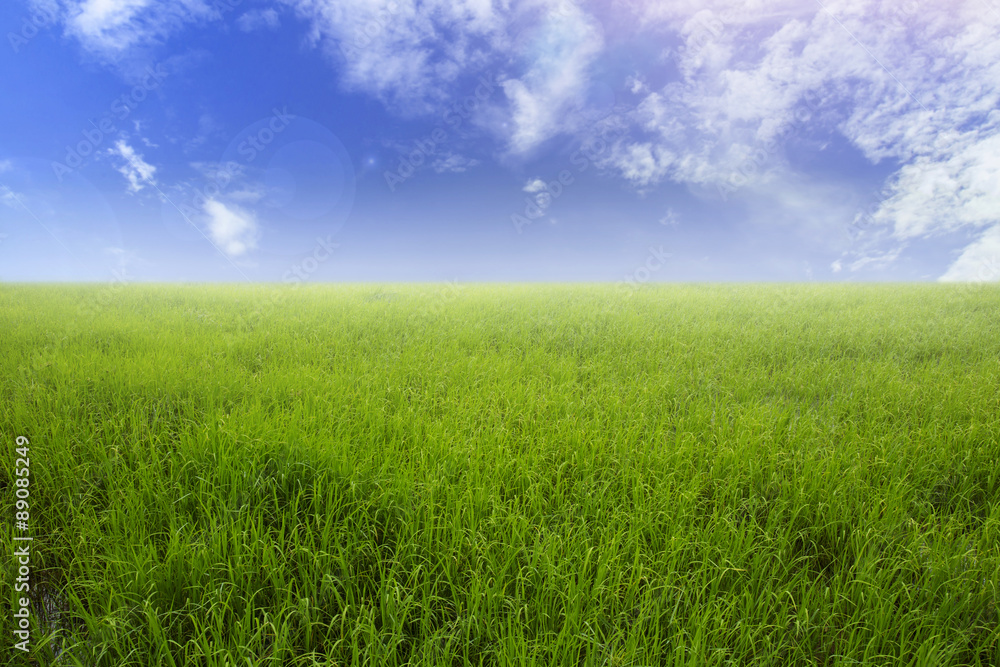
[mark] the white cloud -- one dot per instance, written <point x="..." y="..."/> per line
<point x="877" y="261"/>
<point x="107" y="22"/>
<point x="914" y="86"/>
<point x="108" y="27"/>
<point x="137" y="171"/>
<point x="542" y="196"/>
<point x="837" y="266"/>
<point x="405" y="52"/>
<point x="979" y="262"/>
<point x="257" y="19"/>
<point x="417" y="57"/>
<point x="535" y="185"/>
<point x="951" y="187"/>
<point x="559" y="53"/>
<point x="642" y="163"/>
<point x="233" y="229"/>
<point x="678" y="13"/>
<point x="746" y="92"/>
<point x="919" y="88"/>
<point x="637" y="85"/>
<point x="670" y="219"/>
<point x="453" y="162"/>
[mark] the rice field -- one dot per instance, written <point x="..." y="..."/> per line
<point x="517" y="474"/>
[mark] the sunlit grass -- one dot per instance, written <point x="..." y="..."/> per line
<point x="509" y="475"/>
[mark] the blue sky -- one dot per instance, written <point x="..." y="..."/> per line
<point x="481" y="140"/>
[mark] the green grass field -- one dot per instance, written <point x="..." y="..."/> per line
<point x="506" y="474"/>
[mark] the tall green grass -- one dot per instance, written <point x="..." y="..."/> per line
<point x="507" y="475"/>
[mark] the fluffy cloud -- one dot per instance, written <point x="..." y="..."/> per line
<point x="540" y="189"/>
<point x="109" y="27"/>
<point x="417" y="57"/>
<point x="917" y="89"/>
<point x="535" y="185"/>
<point x="877" y="261"/>
<point x="558" y="54"/>
<point x="952" y="185"/>
<point x="108" y="23"/>
<point x="979" y="261"/>
<point x="231" y="228"/>
<point x="404" y="52"/>
<point x="869" y="70"/>
<point x="643" y="163"/>
<point x="137" y="171"/>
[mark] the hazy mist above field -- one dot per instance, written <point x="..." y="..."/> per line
<point x="316" y="140"/>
